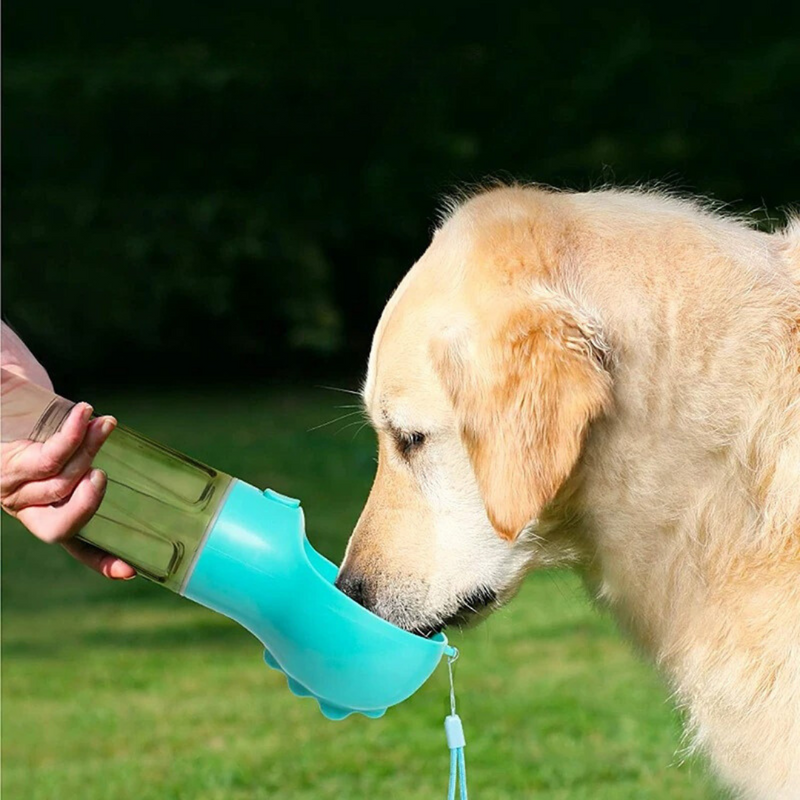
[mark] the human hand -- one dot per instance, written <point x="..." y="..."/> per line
<point x="50" y="487"/>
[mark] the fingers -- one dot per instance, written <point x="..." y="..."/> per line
<point x="59" y="487"/>
<point x="57" y="523"/>
<point x="31" y="461"/>
<point x="59" y="448"/>
<point x="100" y="561"/>
<point x="52" y="489"/>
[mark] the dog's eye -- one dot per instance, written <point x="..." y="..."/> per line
<point x="407" y="442"/>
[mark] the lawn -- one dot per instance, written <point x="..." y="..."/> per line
<point x="126" y="691"/>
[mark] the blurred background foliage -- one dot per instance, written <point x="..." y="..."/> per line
<point x="203" y="190"/>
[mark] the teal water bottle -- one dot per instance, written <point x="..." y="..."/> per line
<point x="241" y="552"/>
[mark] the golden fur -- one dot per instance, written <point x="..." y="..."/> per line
<point x="609" y="380"/>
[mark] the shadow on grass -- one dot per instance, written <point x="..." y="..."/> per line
<point x="203" y="634"/>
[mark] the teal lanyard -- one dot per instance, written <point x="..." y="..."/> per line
<point x="454" y="731"/>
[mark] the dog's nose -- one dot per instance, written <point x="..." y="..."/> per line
<point x="354" y="587"/>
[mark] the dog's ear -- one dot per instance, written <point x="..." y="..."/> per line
<point x="525" y="388"/>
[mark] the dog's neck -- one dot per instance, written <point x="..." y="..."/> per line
<point x="683" y="513"/>
<point x="672" y="490"/>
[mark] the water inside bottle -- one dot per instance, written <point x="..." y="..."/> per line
<point x="157" y="507"/>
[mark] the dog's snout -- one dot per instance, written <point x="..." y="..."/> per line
<point x="354" y="586"/>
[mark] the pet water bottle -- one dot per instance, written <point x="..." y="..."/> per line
<point x="227" y="545"/>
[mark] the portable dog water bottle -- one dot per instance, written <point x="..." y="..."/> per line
<point x="244" y="553"/>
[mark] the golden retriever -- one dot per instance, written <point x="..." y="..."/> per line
<point x="609" y="380"/>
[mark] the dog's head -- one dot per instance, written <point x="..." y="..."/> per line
<point x="482" y="382"/>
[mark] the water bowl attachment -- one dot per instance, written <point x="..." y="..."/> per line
<point x="257" y="567"/>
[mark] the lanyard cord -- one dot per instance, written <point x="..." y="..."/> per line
<point x="454" y="731"/>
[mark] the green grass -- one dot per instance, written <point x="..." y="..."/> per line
<point x="123" y="690"/>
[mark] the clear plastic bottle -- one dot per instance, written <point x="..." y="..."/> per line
<point x="158" y="504"/>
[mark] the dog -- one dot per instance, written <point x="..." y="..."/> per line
<point x="608" y="380"/>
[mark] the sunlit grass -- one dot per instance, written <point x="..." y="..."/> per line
<point x="127" y="691"/>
